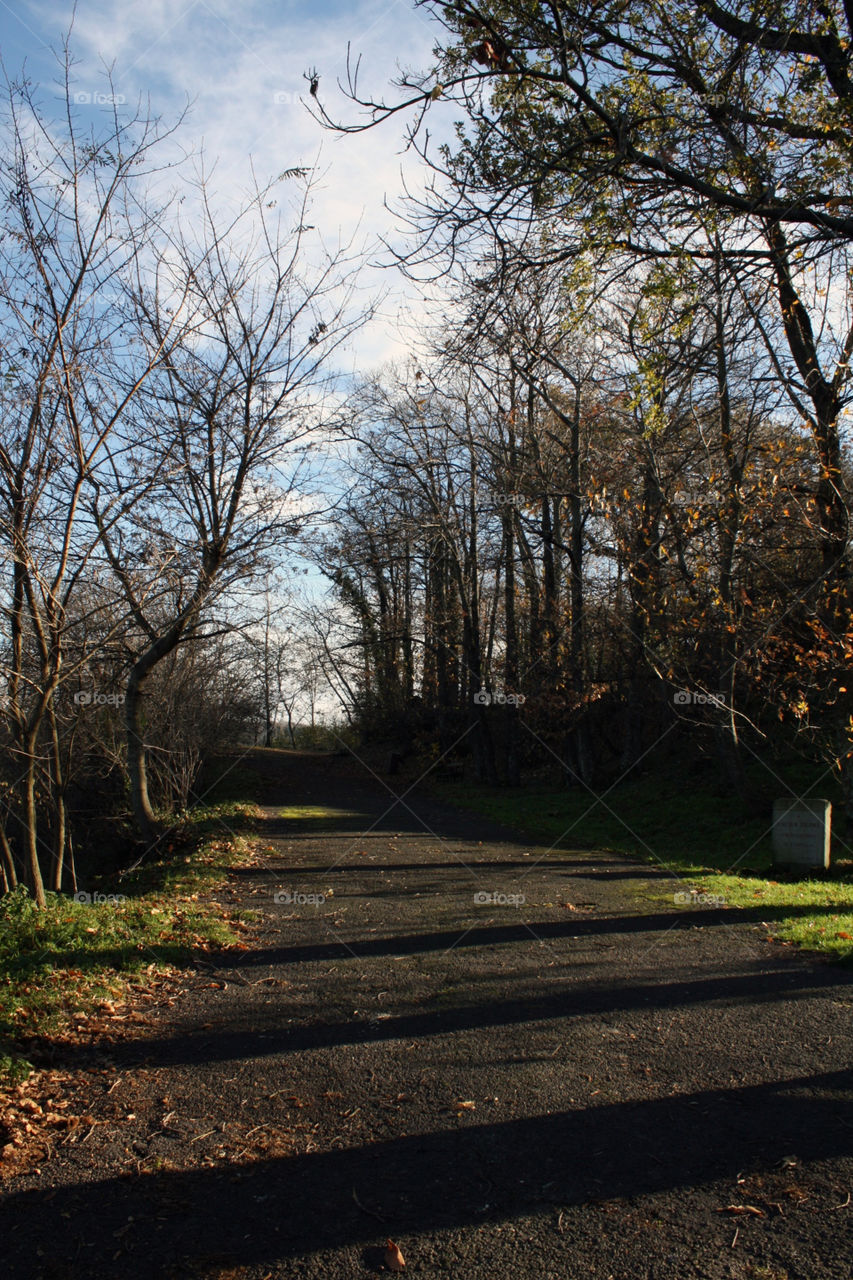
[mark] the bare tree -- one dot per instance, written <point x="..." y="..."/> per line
<point x="74" y="242"/>
<point x="227" y="426"/>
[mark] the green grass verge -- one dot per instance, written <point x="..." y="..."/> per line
<point x="68" y="958"/>
<point x="690" y="830"/>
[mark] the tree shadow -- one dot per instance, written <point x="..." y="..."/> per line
<point x="258" y="1033"/>
<point x="270" y="1211"/>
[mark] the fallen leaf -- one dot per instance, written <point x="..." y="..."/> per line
<point x="394" y="1259"/>
<point x="743" y="1208"/>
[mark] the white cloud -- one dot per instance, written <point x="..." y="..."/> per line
<point x="242" y="70"/>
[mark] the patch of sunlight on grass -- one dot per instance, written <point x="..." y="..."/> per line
<point x="694" y="835"/>
<point x="299" y="812"/>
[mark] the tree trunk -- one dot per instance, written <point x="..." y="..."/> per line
<point x="166" y="643"/>
<point x="513" y="767"/>
<point x="137" y="761"/>
<point x="728" y="745"/>
<point x="827" y="399"/>
<point x="34" y="876"/>
<point x="7" y="866"/>
<point x="580" y="736"/>
<point x="61" y="827"/>
<point x="645" y="611"/>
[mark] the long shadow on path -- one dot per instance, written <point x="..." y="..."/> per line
<point x="263" y="1213"/>
<point x="267" y="1036"/>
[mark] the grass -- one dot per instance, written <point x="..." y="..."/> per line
<point x="63" y="961"/>
<point x="300" y="812"/>
<point x="688" y="828"/>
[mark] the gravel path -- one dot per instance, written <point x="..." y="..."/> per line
<point x="589" y="1082"/>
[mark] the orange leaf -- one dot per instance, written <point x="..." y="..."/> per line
<point x="394" y="1259"/>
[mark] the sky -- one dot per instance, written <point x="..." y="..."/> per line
<point x="240" y="66"/>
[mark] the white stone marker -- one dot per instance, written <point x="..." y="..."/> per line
<point x="801" y="832"/>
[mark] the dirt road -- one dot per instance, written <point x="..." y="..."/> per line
<point x="515" y="1065"/>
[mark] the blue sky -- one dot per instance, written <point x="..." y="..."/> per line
<point x="241" y="67"/>
<point x="240" y="64"/>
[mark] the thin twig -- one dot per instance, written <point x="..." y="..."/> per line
<point x="364" y="1208"/>
<point x="256" y="1128"/>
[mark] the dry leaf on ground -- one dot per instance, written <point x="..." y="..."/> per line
<point x="394" y="1259"/>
